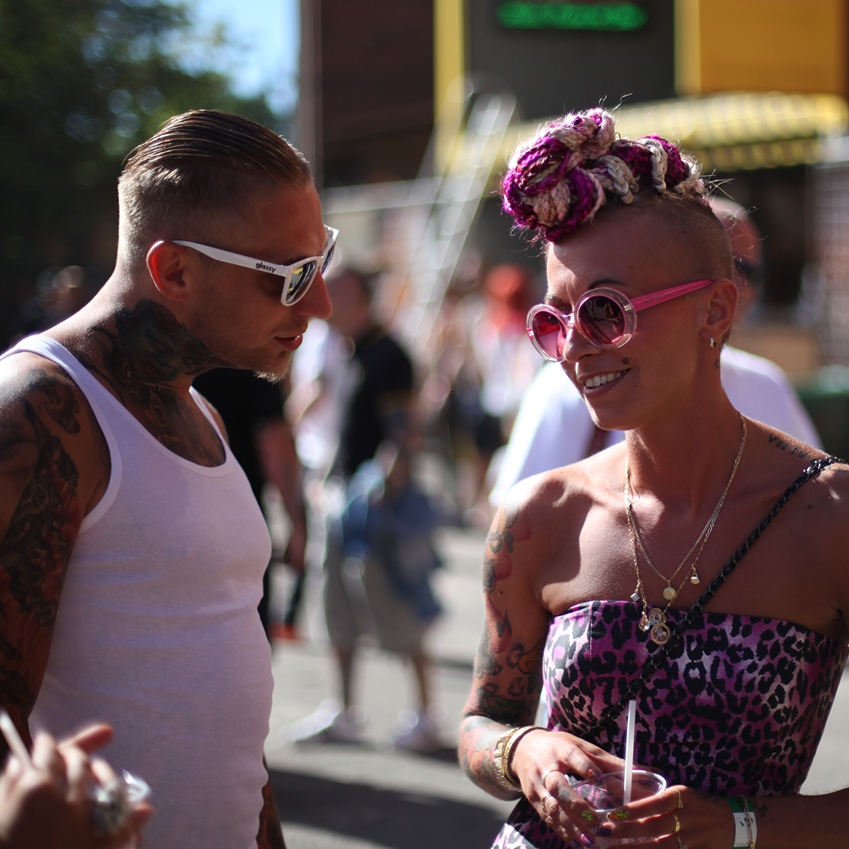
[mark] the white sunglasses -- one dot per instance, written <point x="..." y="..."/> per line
<point x="297" y="277"/>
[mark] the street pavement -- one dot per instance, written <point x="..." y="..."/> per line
<point x="371" y="797"/>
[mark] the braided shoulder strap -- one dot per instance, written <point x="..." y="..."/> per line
<point x="661" y="654"/>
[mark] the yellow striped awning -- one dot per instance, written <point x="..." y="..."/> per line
<point x="734" y="131"/>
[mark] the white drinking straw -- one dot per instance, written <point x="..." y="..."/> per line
<point x="19" y="750"/>
<point x="629" y="748"/>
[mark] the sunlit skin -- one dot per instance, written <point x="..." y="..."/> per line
<point x="238" y="312"/>
<point x="561" y="538"/>
<point x="618" y="253"/>
<point x="145" y="336"/>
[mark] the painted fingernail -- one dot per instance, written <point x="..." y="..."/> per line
<point x="587" y="840"/>
<point x="590" y="817"/>
<point x="603" y="831"/>
<point x="594" y="775"/>
<point x="619" y="815"/>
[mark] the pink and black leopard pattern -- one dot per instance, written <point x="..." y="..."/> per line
<point x="738" y="707"/>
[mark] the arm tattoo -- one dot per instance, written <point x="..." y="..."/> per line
<point x="502" y="536"/>
<point x="485" y="662"/>
<point x="502" y="626"/>
<point x="759" y="806"/>
<point x="502" y="709"/>
<point x="35" y="550"/>
<point x="798" y="450"/>
<point x="501" y="543"/>
<point x="528" y="661"/>
<point x="488" y="573"/>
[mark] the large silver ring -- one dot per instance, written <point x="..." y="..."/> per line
<point x="112" y="802"/>
<point x="110" y="807"/>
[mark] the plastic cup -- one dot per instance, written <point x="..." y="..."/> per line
<point x="606" y="795"/>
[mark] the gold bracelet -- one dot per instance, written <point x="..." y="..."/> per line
<point x="504" y="752"/>
<point x="751" y="822"/>
<point x="501" y="777"/>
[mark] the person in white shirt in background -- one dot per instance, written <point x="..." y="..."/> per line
<point x="553" y="427"/>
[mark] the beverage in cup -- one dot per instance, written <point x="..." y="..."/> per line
<point x="607" y="794"/>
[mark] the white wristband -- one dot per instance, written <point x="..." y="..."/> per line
<point x="741" y="831"/>
<point x="745" y="830"/>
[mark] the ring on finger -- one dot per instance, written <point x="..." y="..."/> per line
<point x="681" y="844"/>
<point x="545" y="775"/>
<point x="677" y="825"/>
<point x="680" y="800"/>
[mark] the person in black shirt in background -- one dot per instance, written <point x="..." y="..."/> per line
<point x="374" y="554"/>
<point x="261" y="440"/>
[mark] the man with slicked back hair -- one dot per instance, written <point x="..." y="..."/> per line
<point x="132" y="549"/>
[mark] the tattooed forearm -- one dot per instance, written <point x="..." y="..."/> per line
<point x="502" y="709"/>
<point x="518" y="688"/>
<point x="485" y="662"/>
<point x="478" y="739"/>
<point x="502" y="625"/>
<point x="526" y="661"/>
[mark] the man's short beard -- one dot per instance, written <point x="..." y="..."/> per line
<point x="272" y="376"/>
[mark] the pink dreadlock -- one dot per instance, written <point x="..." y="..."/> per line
<point x="559" y="179"/>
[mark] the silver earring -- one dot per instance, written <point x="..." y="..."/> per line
<point x="712" y="342"/>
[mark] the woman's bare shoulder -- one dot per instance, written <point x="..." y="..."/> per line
<point x="587" y="479"/>
<point x="544" y="508"/>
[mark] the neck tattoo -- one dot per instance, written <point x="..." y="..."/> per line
<point x="653" y="619"/>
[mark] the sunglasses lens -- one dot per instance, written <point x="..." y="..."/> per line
<point x="328" y="259"/>
<point x="550" y="335"/>
<point x="300" y="282"/>
<point x="602" y="320"/>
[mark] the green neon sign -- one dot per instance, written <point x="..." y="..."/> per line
<point x="610" y="17"/>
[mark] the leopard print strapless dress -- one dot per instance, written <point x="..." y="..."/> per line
<point x="738" y="707"/>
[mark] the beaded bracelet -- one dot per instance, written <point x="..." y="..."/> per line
<point x="503" y="752"/>
<point x="745" y="824"/>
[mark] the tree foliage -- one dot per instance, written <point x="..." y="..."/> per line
<point x="82" y="82"/>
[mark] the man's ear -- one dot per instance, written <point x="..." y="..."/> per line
<point x="171" y="266"/>
<point x="719" y="315"/>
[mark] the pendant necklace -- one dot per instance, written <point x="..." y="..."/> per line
<point x="653" y="619"/>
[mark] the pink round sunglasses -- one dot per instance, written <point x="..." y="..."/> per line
<point x="605" y="317"/>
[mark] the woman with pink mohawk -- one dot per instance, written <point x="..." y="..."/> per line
<point x="680" y="569"/>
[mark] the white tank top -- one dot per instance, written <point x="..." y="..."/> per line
<point x="157" y="630"/>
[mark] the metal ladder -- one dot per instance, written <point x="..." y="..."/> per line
<point x="438" y="227"/>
